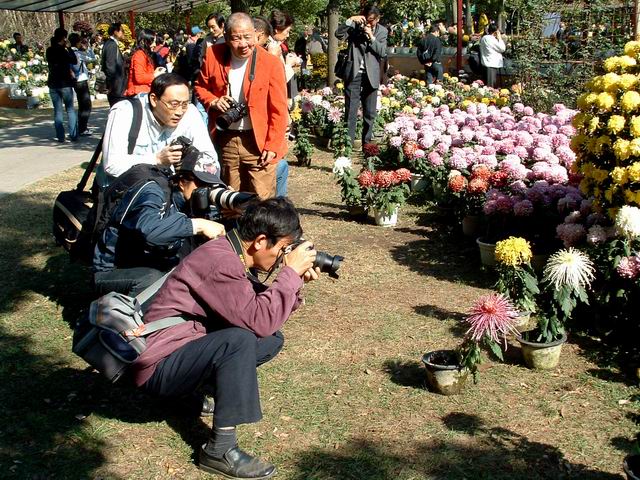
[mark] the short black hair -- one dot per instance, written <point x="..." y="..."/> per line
<point x="276" y="218"/>
<point x="164" y="81"/>
<point x="434" y="28"/>
<point x="493" y="28"/>
<point x="74" y="39"/>
<point x="59" y="34"/>
<point x="17" y="34"/>
<point x="280" y="20"/>
<point x="371" y="9"/>
<point x="262" y="25"/>
<point x="218" y="18"/>
<point x="115" y="27"/>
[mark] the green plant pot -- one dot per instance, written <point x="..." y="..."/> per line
<point x="444" y="375"/>
<point x="542" y="356"/>
<point x="631" y="467"/>
<point x="487" y="253"/>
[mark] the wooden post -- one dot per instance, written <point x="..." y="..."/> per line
<point x="460" y="30"/>
<point x="61" y="18"/>
<point x="132" y="24"/>
<point x="188" y="22"/>
<point x="332" y="48"/>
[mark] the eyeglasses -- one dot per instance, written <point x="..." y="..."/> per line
<point x="175" y="104"/>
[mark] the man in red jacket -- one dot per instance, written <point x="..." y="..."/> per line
<point x="232" y="325"/>
<point x="251" y="146"/>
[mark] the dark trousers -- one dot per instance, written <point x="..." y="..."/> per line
<point x="84" y="105"/>
<point x="224" y="360"/>
<point x="491" y="76"/>
<point x="130" y="281"/>
<point x="359" y="90"/>
<point x="434" y="72"/>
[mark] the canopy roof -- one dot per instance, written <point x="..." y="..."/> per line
<point x="98" y="6"/>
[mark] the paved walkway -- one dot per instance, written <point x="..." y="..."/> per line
<point x="29" y="152"/>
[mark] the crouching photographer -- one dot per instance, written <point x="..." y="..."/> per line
<point x="232" y="325"/>
<point x="145" y="223"/>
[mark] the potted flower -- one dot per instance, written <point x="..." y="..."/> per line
<point x="303" y="148"/>
<point x="516" y="278"/>
<point x="349" y="187"/>
<point x="385" y="192"/>
<point x="566" y="279"/>
<point x="490" y="320"/>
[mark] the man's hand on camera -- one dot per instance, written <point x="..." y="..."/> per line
<point x="311" y="274"/>
<point x="208" y="228"/>
<point x="222" y="104"/>
<point x="169" y="155"/>
<point x="369" y="31"/>
<point x="266" y="157"/>
<point x="358" y="19"/>
<point x="301" y="258"/>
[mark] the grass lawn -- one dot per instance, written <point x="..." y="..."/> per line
<point x="346" y="397"/>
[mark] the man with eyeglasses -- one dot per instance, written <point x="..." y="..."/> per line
<point x="251" y="146"/>
<point x="232" y="326"/>
<point x="167" y="114"/>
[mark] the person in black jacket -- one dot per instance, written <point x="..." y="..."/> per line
<point x="60" y="58"/>
<point x="113" y="64"/>
<point x="430" y="54"/>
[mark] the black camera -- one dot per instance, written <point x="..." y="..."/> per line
<point x="325" y="262"/>
<point x="237" y="111"/>
<point x="187" y="146"/>
<point x="208" y="202"/>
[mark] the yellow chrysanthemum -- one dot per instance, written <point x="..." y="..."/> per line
<point x="606" y="101"/>
<point x="630" y="101"/>
<point x="601" y="142"/>
<point x="627" y="81"/>
<point x="339" y="85"/>
<point x="385" y="101"/>
<point x="599" y="175"/>
<point x="622" y="149"/>
<point x="632" y="48"/>
<point x="613" y="212"/>
<point x="586" y="100"/>
<point x="615" y="124"/>
<point x="619" y="175"/>
<point x="593" y="125"/>
<point x="611" y="64"/>
<point x="610" y="82"/>
<point x="407" y="109"/>
<point x="578" y="141"/>
<point x="626" y="62"/>
<point x="633" y="172"/>
<point x="514" y="251"/>
<point x="296" y="114"/>
<point x="634" y="147"/>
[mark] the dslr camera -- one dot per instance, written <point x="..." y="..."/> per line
<point x="326" y="263"/>
<point x="237" y="111"/>
<point x="209" y="202"/>
<point x="187" y="146"/>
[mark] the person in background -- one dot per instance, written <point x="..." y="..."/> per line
<point x="491" y="49"/>
<point x="60" y="58"/>
<point x="215" y="24"/>
<point x="430" y="54"/>
<point x="20" y="47"/>
<point x="301" y="47"/>
<point x="160" y="52"/>
<point x="281" y="23"/>
<point x="84" y="53"/>
<point x="113" y="64"/>
<point x="316" y="43"/>
<point x="142" y="70"/>
<point x="263" y="33"/>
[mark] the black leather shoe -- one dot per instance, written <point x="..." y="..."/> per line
<point x="236" y="464"/>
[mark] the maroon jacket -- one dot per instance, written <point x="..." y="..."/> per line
<point x="210" y="287"/>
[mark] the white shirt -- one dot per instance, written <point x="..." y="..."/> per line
<point x="152" y="138"/>
<point x="491" y="50"/>
<point x="236" y="90"/>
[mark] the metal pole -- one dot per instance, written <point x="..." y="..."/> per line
<point x="460" y="30"/>
<point x="132" y="23"/>
<point x="61" y="18"/>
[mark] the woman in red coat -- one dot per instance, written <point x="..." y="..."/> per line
<point x="143" y="70"/>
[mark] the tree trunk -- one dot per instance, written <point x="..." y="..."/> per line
<point x="332" y="49"/>
<point x="469" y="18"/>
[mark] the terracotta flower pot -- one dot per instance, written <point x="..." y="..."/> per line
<point x="444" y="374"/>
<point x="542" y="356"/>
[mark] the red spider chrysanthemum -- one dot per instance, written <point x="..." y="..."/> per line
<point x="370" y="150"/>
<point x="481" y="171"/>
<point x="493" y="315"/>
<point x="477" y="185"/>
<point x="402" y="175"/>
<point x="365" y="179"/>
<point x="384" y="178"/>
<point x="409" y="149"/>
<point x="457" y="183"/>
<point x="499" y="179"/>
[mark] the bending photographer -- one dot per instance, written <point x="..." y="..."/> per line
<point x="244" y="90"/>
<point x="232" y="325"/>
<point x="146" y="137"/>
<point x="147" y="227"/>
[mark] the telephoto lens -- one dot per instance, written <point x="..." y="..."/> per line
<point x="328" y="263"/>
<point x="229" y="199"/>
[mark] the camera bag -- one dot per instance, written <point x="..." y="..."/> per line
<point x="344" y="64"/>
<point x="111" y="336"/>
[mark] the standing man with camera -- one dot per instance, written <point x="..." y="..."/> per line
<point x="491" y="49"/>
<point x="367" y="46"/>
<point x="244" y="90"/>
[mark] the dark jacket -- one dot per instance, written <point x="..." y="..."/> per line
<point x="361" y="48"/>
<point x="60" y="60"/>
<point x="429" y="49"/>
<point x="114" y="68"/>
<point x="144" y="231"/>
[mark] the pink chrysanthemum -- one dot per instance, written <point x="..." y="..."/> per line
<point x="370" y="150"/>
<point x="629" y="267"/>
<point x="492" y="315"/>
<point x="365" y="179"/>
<point x="402" y="175"/>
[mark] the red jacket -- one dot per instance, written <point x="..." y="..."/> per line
<point x="267" y="95"/>
<point x="140" y="74"/>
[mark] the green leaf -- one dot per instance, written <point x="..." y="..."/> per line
<point x="495" y="348"/>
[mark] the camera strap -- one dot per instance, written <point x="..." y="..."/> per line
<point x="252" y="75"/>
<point x="234" y="239"/>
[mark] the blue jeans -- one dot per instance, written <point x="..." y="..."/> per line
<point x="282" y="175"/>
<point x="58" y="97"/>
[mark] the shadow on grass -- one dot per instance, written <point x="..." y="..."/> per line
<point x="333" y="211"/>
<point x="407" y="374"/>
<point x="457" y="327"/>
<point x="495" y="453"/>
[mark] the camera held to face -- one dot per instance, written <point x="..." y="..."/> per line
<point x="237" y="111"/>
<point x="326" y="263"/>
<point x="209" y="202"/>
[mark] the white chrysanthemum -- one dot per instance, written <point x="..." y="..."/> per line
<point x="628" y="221"/>
<point x="570" y="268"/>
<point x="341" y="164"/>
